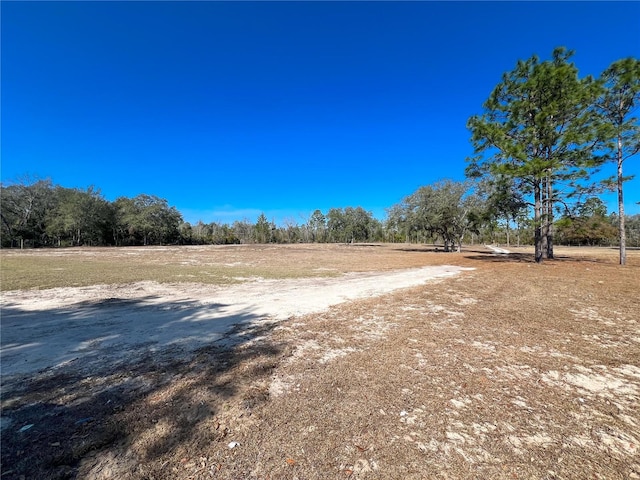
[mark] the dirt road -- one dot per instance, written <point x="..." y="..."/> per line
<point x="104" y="323"/>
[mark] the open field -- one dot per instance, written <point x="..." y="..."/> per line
<point x="319" y="361"/>
<point x="75" y="267"/>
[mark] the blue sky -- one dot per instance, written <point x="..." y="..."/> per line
<point x="229" y="109"/>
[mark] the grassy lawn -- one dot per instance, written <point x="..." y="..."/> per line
<point x="40" y="272"/>
<point x="78" y="267"/>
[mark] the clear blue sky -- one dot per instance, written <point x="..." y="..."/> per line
<point x="228" y="109"/>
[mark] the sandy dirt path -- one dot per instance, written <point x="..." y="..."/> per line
<point x="499" y="250"/>
<point x="103" y="324"/>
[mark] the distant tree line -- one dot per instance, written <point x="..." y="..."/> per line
<point x="339" y="225"/>
<point x="448" y="213"/>
<point x="38" y="213"/>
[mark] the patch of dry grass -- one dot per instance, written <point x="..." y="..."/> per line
<point x="76" y="267"/>
<point x="494" y="374"/>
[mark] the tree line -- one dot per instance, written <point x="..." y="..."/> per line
<point x="40" y="214"/>
<point x="543" y="133"/>
<point x="37" y="213"/>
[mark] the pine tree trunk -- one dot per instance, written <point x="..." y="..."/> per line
<point x="622" y="233"/>
<point x="549" y="218"/>
<point x="544" y="226"/>
<point x="537" y="220"/>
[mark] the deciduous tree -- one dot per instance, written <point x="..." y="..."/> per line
<point x="588" y="226"/>
<point x="503" y="201"/>
<point x="25" y="206"/>
<point x="82" y="217"/>
<point x="446" y="209"/>
<point x="147" y="218"/>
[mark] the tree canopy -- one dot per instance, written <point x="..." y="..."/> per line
<point x="41" y="214"/>
<point x="538" y="128"/>
<point x="447" y="210"/>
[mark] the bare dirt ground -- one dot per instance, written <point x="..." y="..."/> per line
<point x="403" y="368"/>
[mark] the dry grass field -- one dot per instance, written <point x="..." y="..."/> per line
<point x="506" y="370"/>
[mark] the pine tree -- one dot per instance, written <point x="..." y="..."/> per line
<point x="616" y="105"/>
<point x="537" y="128"/>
